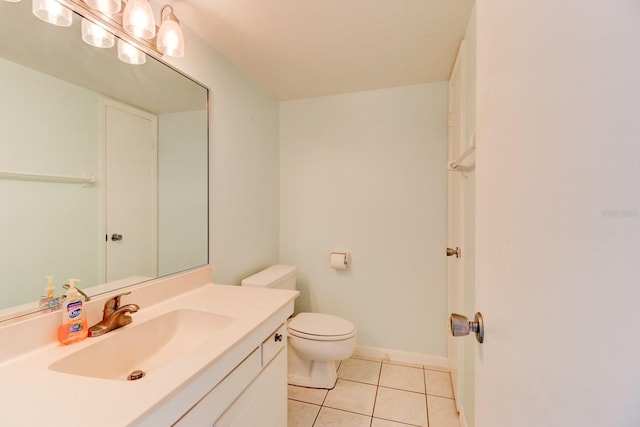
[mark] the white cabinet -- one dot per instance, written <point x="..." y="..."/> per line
<point x="258" y="383"/>
<point x="264" y="402"/>
<point x="273" y="344"/>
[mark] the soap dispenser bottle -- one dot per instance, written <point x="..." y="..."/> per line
<point x="49" y="292"/>
<point x="74" y="320"/>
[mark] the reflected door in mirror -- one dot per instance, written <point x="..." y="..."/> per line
<point x="130" y="191"/>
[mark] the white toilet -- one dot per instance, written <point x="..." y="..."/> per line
<point x="316" y="341"/>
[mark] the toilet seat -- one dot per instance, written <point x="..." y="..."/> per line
<point x="321" y="327"/>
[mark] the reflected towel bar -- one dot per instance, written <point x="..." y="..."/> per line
<point x="457" y="166"/>
<point x="85" y="180"/>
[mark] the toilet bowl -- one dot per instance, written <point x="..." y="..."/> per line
<point x="316" y="341"/>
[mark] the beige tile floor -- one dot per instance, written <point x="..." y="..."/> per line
<point x="376" y="393"/>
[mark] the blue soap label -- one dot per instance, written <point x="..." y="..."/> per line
<point x="74" y="309"/>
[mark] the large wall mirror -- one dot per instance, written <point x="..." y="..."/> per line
<point x="70" y="111"/>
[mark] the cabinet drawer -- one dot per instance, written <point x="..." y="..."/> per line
<point x="274" y="343"/>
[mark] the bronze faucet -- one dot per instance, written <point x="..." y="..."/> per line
<point x="113" y="316"/>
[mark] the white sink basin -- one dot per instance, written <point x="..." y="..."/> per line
<point x="147" y="346"/>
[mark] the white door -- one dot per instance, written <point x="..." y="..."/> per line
<point x="455" y="206"/>
<point x="558" y="213"/>
<point x="130" y="192"/>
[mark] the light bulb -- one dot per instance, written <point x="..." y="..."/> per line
<point x="52" y="11"/>
<point x="95" y="35"/>
<point x="138" y="20"/>
<point x="105" y="6"/>
<point x="170" y="40"/>
<point x="130" y="54"/>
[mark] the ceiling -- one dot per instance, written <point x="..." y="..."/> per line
<point x="306" y="48"/>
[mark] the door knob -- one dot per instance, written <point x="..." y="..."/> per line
<point x="457" y="252"/>
<point x="461" y="326"/>
<point x="116" y="237"/>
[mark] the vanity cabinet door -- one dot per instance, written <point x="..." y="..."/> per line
<point x="218" y="400"/>
<point x="264" y="402"/>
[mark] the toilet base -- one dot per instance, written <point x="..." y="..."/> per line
<point x="308" y="373"/>
<point x="323" y="377"/>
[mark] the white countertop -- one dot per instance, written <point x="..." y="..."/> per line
<point x="31" y="394"/>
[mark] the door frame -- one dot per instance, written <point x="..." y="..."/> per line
<point x="455" y="228"/>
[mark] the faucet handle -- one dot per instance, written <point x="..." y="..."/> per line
<point x="113" y="303"/>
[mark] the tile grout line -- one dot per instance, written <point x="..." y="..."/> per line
<point x="375" y="398"/>
<point x="324" y="399"/>
<point x="426" y="396"/>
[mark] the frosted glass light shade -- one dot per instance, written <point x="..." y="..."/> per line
<point x="138" y="20"/>
<point x="130" y="54"/>
<point x="52" y="12"/>
<point x="170" y="40"/>
<point x="12" y="1"/>
<point x="95" y="35"/>
<point x="105" y="6"/>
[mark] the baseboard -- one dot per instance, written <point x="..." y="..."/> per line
<point x="402" y="356"/>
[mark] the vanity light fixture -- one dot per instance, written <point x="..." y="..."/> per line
<point x="105" y="20"/>
<point x="52" y="11"/>
<point x="138" y="20"/>
<point x="170" y="40"/>
<point x="129" y="54"/>
<point x="95" y="35"/>
<point x="105" y="6"/>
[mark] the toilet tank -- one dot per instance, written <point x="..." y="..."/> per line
<point x="276" y="276"/>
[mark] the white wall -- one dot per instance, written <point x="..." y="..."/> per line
<point x="558" y="213"/>
<point x="366" y="173"/>
<point x="244" y="182"/>
<point x="63" y="141"/>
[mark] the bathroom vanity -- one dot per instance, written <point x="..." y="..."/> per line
<point x="208" y="351"/>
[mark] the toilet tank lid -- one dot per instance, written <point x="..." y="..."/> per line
<point x="269" y="276"/>
<point x="321" y="324"/>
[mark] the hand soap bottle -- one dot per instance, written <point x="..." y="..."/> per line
<point x="49" y="291"/>
<point x="74" y="321"/>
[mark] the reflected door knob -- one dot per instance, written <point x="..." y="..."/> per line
<point x="461" y="326"/>
<point x="116" y="237"/>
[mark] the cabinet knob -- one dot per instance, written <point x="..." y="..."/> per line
<point x="278" y="337"/>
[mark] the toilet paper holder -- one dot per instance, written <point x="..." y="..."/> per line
<point x="339" y="260"/>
